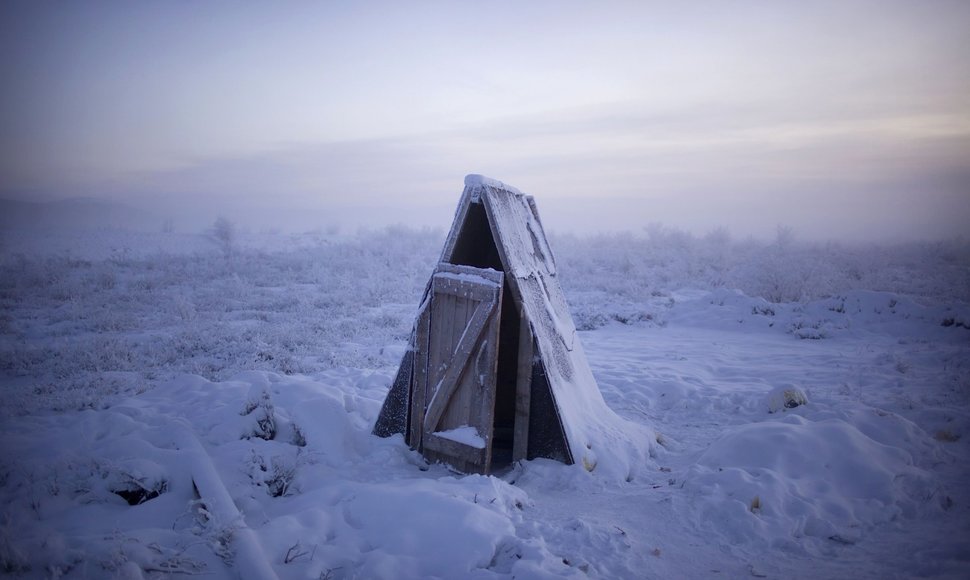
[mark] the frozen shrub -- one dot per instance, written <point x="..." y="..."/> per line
<point x="137" y="492"/>
<point x="298" y="436"/>
<point x="277" y="475"/>
<point x="12" y="558"/>
<point x="184" y="307"/>
<point x="260" y="412"/>
<point x="280" y="477"/>
<point x="315" y="302"/>
<point x="810" y="329"/>
<point x="223" y="233"/>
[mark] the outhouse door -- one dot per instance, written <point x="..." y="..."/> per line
<point x="455" y="367"/>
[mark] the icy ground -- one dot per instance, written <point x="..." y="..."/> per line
<point x="131" y="368"/>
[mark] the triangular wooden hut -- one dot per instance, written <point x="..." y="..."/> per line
<point x="494" y="371"/>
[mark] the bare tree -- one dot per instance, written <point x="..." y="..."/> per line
<point x="223" y="233"/>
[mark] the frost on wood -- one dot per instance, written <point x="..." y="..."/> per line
<point x="498" y="227"/>
<point x="596" y="436"/>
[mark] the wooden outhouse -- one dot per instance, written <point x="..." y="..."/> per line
<point x="494" y="371"/>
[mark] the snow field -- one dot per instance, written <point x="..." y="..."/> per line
<point x="870" y="454"/>
<point x="276" y="361"/>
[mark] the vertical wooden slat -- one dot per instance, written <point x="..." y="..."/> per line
<point x="490" y="354"/>
<point x="460" y="319"/>
<point x="465" y="395"/>
<point x="419" y="388"/>
<point x="523" y="390"/>
<point x="441" y="337"/>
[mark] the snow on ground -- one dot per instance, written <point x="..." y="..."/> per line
<point x="261" y="371"/>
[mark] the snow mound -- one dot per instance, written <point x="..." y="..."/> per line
<point x="822" y="482"/>
<point x="782" y="398"/>
<point x="287" y="464"/>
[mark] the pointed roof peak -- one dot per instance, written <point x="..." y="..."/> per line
<point x="473" y="180"/>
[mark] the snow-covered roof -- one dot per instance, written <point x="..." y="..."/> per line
<point x="474" y="180"/>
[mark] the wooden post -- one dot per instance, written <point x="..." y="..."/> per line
<point x="523" y="390"/>
<point x="420" y="385"/>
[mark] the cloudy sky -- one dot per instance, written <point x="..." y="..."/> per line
<point x="840" y="119"/>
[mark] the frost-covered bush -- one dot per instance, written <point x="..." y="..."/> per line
<point x="223" y="233"/>
<point x="639" y="268"/>
<point x="74" y="331"/>
<point x="106" y="314"/>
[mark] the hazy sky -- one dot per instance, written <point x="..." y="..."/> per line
<point x="847" y="119"/>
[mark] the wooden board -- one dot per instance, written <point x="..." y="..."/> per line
<point x="419" y="389"/>
<point x="523" y="391"/>
<point x="456" y="365"/>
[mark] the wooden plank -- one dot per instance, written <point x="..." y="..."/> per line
<point x="523" y="390"/>
<point x="442" y="313"/>
<point x="456" y="412"/>
<point x="463" y="289"/>
<point x="447" y="384"/>
<point x="454" y="449"/>
<point x="500" y="242"/>
<point x="419" y="386"/>
<point x="440" y="347"/>
<point x="489" y="352"/>
<point x="458" y="465"/>
<point x="541" y="236"/>
<point x="393" y="417"/>
<point x="487" y="273"/>
<point x="462" y="311"/>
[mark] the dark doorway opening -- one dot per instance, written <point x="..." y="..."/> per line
<point x="476" y="247"/>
